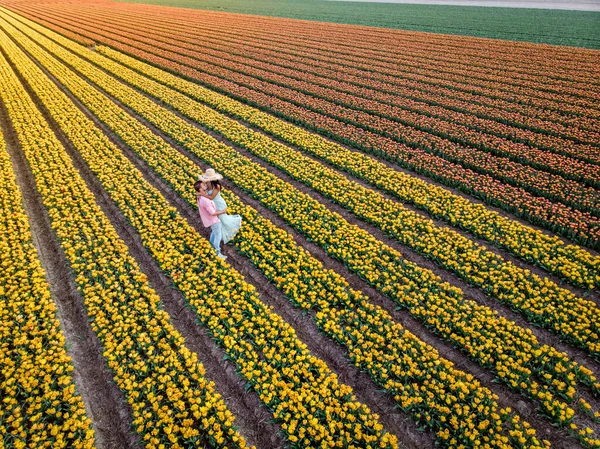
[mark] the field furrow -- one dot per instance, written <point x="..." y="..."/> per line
<point x="39" y="398"/>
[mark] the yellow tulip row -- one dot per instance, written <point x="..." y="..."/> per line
<point x="543" y="302"/>
<point x="305" y="282"/>
<point x="294" y="384"/>
<point x="520" y="354"/>
<point x="568" y="261"/>
<point x="540" y="300"/>
<point x="163" y="382"/>
<point x="39" y="407"/>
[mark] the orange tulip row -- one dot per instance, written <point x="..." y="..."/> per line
<point x="427" y="65"/>
<point x="383" y="109"/>
<point x="559" y="218"/>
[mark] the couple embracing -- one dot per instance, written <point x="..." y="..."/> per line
<point x="213" y="210"/>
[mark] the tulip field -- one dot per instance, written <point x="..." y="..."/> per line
<point x="418" y="265"/>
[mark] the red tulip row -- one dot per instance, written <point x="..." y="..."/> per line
<point x="582" y="227"/>
<point x="425" y="54"/>
<point x="532" y="180"/>
<point x="425" y="81"/>
<point x="292" y="51"/>
<point x="363" y="74"/>
<point x="392" y="100"/>
<point x="528" y="61"/>
<point x="427" y="73"/>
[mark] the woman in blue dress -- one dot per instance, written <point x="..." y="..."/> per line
<point x="230" y="224"/>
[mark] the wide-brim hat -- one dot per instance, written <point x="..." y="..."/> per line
<point x="210" y="175"/>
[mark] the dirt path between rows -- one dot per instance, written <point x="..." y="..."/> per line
<point x="105" y="404"/>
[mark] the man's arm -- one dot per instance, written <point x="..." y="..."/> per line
<point x="211" y="209"/>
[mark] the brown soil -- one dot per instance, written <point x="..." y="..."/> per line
<point x="104" y="403"/>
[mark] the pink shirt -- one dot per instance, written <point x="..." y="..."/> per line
<point x="207" y="209"/>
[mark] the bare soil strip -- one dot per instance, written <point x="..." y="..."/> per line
<point x="104" y="402"/>
<point x="253" y="420"/>
<point x="525" y="407"/>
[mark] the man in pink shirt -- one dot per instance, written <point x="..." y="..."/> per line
<point x="210" y="217"/>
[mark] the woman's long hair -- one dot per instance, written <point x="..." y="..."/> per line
<point x="215" y="184"/>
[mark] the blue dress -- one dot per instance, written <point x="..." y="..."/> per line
<point x="230" y="224"/>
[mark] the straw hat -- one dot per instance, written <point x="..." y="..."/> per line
<point x="210" y="175"/>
